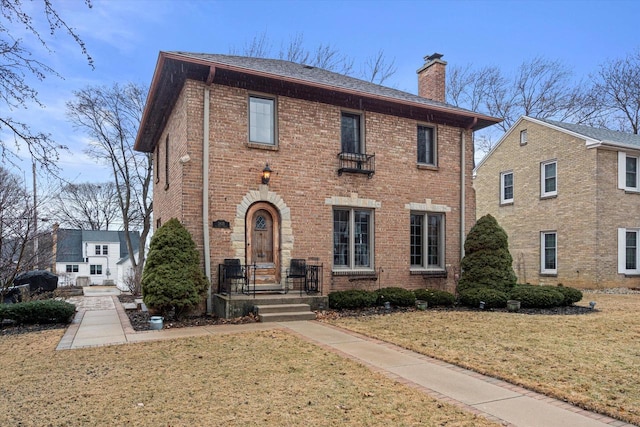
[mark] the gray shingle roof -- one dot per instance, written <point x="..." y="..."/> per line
<point x="69" y="246"/>
<point x="279" y="67"/>
<point x="603" y="135"/>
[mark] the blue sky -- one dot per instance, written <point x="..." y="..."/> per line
<point x="125" y="36"/>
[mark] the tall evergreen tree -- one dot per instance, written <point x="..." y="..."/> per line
<point x="487" y="262"/>
<point x="172" y="277"/>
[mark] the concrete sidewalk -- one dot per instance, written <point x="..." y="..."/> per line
<point x="101" y="320"/>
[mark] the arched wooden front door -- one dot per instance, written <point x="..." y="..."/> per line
<point x="263" y="242"/>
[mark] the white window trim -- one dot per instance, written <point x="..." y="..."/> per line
<point x="543" y="178"/>
<point x="622" y="251"/>
<point x="503" y="200"/>
<point x="352" y="267"/>
<point x="425" y="243"/>
<point x="523" y="137"/>
<point x="543" y="248"/>
<point x="622" y="172"/>
<point x="274" y="120"/>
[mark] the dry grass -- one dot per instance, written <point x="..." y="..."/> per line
<point x="263" y="378"/>
<point x="589" y="360"/>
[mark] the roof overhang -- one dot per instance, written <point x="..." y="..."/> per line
<point x="173" y="69"/>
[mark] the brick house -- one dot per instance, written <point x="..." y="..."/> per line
<point x="568" y="196"/>
<point x="372" y="183"/>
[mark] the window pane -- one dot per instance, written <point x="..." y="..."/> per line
<point x="350" y="131"/>
<point x="434" y="241"/>
<point x="261" y="120"/>
<point x="632" y="250"/>
<point x="416" y="240"/>
<point x="341" y="238"/>
<point x="507" y="186"/>
<point x="97" y="249"/>
<point x="550" y="177"/>
<point x="425" y="145"/>
<point x="69" y="267"/>
<point x="632" y="171"/>
<point x="550" y="251"/>
<point x="362" y="241"/>
<point x="105" y="250"/>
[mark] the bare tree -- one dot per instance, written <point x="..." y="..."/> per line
<point x="87" y="206"/>
<point x="541" y="88"/>
<point x="376" y="68"/>
<point x="17" y="63"/>
<point x="18" y="249"/>
<point x="110" y="116"/>
<point x="616" y="94"/>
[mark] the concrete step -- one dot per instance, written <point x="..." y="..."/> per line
<point x="266" y="287"/>
<point x="287" y="317"/>
<point x="282" y="308"/>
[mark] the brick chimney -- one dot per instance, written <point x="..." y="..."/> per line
<point x="431" y="78"/>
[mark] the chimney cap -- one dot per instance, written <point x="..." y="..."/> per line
<point x="433" y="57"/>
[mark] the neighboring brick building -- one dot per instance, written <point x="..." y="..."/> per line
<point x="568" y="196"/>
<point x="369" y="181"/>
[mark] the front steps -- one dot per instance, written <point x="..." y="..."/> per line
<point x="284" y="312"/>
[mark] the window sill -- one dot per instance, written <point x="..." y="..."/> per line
<point x="506" y="203"/>
<point x="631" y="191"/>
<point x="425" y="166"/>
<point x="261" y="146"/>
<point x="353" y="272"/>
<point x="548" y="196"/>
<point x="427" y="274"/>
<point x="543" y="274"/>
<point x="632" y="274"/>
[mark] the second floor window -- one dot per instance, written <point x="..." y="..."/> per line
<point x="351" y="133"/>
<point x="548" y="179"/>
<point x="72" y="268"/>
<point x="262" y="128"/>
<point x="97" y="249"/>
<point x="105" y="250"/>
<point x="426" y="146"/>
<point x="628" y="176"/>
<point x="506" y="187"/>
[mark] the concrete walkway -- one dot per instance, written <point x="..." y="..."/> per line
<point x="101" y="320"/>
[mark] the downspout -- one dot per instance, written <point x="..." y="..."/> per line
<point x="205" y="198"/>
<point x="463" y="190"/>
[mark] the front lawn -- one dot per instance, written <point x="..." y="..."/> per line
<point x="589" y="360"/>
<point x="268" y="378"/>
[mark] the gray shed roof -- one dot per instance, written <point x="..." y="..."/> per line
<point x="599" y="134"/>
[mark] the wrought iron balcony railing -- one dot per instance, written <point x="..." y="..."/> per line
<point x="357" y="163"/>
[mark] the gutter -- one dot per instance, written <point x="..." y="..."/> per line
<point x="205" y="196"/>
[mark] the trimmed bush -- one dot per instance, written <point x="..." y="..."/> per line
<point x="172" y="277"/>
<point x="38" y="312"/>
<point x="354" y="298"/>
<point x="537" y="296"/>
<point x="435" y="297"/>
<point x="492" y="298"/>
<point x="399" y="297"/>
<point x="571" y="295"/>
<point x="487" y="262"/>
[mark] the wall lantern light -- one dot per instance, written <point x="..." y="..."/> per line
<point x="266" y="174"/>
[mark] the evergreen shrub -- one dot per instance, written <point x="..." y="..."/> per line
<point x="571" y="295"/>
<point x="492" y="298"/>
<point x="399" y="297"/>
<point x="38" y="312"/>
<point x="487" y="262"/>
<point x="435" y="297"/>
<point x="537" y="296"/>
<point x="353" y="298"/>
<point x="172" y="278"/>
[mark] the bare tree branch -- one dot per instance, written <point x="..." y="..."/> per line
<point x="16" y="65"/>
